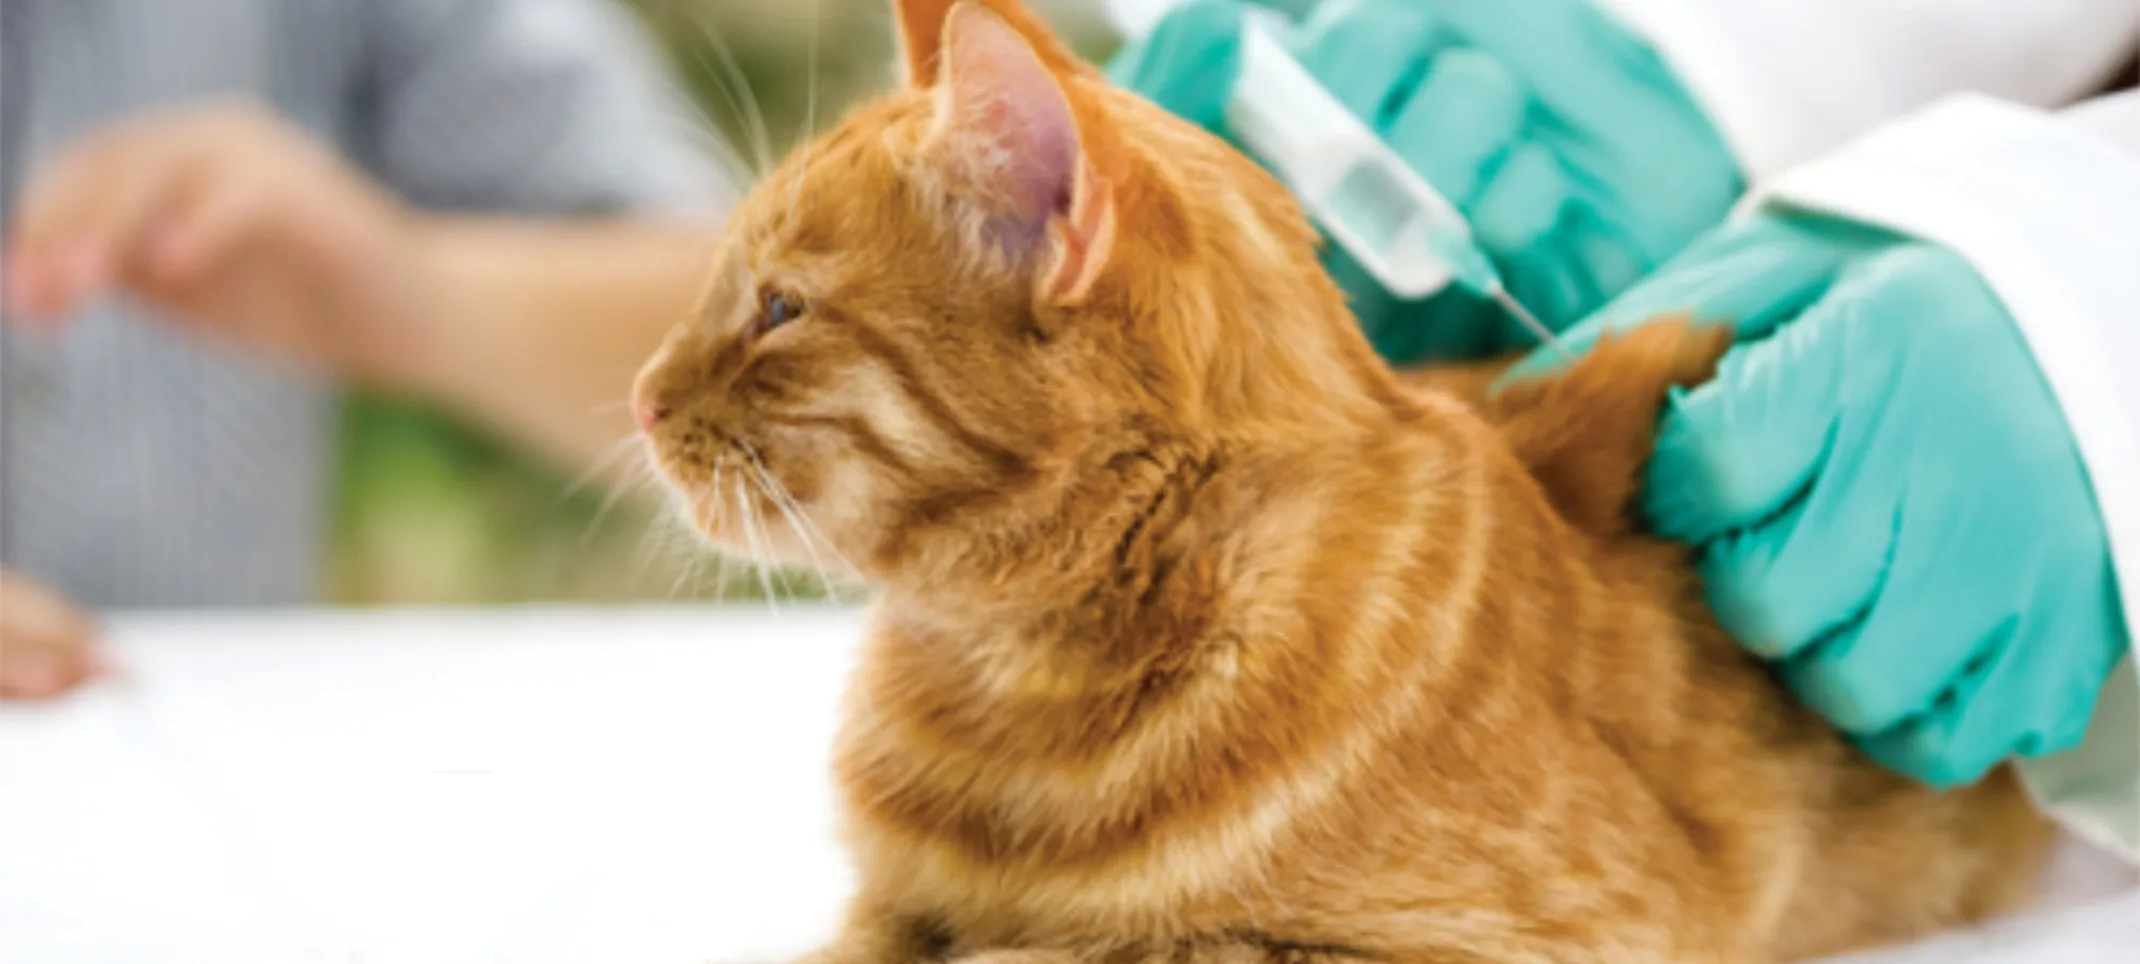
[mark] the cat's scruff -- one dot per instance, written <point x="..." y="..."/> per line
<point x="1203" y="636"/>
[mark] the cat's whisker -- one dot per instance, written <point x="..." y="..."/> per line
<point x="750" y="539"/>
<point x="725" y="563"/>
<point x="684" y="113"/>
<point x="772" y="570"/>
<point x="811" y="79"/>
<point x="687" y="118"/>
<point x="723" y="572"/>
<point x="816" y="563"/>
<point x="766" y="487"/>
<point x="750" y="156"/>
<point x="634" y="477"/>
<point x="800" y="519"/>
<point x="713" y="518"/>
<point x="602" y="465"/>
<point x="798" y="522"/>
<point x="807" y="533"/>
<point x="812" y="534"/>
<point x="666" y="549"/>
<point x="688" y="575"/>
<point x="666" y="534"/>
<point x="642" y="556"/>
<point x="748" y="111"/>
<point x="593" y="528"/>
<point x="809" y="123"/>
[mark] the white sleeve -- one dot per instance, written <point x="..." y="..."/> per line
<point x="2047" y="207"/>
<point x="1789" y="80"/>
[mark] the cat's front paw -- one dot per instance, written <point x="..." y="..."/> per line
<point x="877" y="936"/>
<point x="1018" y="956"/>
<point x="849" y="952"/>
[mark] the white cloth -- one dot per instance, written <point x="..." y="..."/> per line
<point x="1788" y="80"/>
<point x="553" y="786"/>
<point x="2047" y="207"/>
<point x="452" y="787"/>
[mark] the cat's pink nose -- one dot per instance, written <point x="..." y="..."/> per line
<point x="648" y="414"/>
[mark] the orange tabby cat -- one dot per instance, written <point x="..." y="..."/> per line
<point x="1202" y="637"/>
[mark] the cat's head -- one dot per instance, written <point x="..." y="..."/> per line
<point x="980" y="285"/>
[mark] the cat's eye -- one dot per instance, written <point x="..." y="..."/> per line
<point x="777" y="308"/>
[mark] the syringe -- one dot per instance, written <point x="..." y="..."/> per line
<point x="1395" y="224"/>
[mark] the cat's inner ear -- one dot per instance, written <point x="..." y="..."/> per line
<point x="1004" y="123"/>
<point x="1008" y="130"/>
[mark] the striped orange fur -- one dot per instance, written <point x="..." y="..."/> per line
<point x="1205" y="637"/>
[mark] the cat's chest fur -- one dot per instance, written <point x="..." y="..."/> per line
<point x="1019" y="796"/>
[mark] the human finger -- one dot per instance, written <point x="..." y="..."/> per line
<point x="1457" y="127"/>
<point x="45" y="642"/>
<point x="1369" y="53"/>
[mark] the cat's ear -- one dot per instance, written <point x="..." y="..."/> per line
<point x="922" y="25"/>
<point x="1008" y="130"/>
<point x="921" y="38"/>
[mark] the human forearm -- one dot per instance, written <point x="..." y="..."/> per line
<point x="535" y="329"/>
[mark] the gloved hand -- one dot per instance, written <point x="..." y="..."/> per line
<point x="1883" y="493"/>
<point x="1578" y="157"/>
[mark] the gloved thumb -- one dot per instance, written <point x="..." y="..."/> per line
<point x="1736" y="450"/>
<point x="1752" y="273"/>
<point x="1188" y="63"/>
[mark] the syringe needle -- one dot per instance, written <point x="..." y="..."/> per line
<point x="1545" y="335"/>
<point x="1509" y="304"/>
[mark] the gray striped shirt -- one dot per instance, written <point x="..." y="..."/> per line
<point x="139" y="467"/>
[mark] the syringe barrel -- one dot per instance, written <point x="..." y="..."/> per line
<point x="1370" y="201"/>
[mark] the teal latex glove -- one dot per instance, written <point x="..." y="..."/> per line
<point x="1579" y="159"/>
<point x="1883" y="493"/>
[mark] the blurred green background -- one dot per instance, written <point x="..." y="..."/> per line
<point x="431" y="511"/>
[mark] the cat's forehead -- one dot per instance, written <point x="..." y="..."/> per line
<point x="838" y="184"/>
<point x="841" y="216"/>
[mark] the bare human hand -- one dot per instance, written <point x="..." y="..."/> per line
<point x="231" y="219"/>
<point x="46" y="645"/>
<point x="241" y="227"/>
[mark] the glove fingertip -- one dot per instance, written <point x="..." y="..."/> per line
<point x="2060" y="735"/>
<point x="1737" y="574"/>
<point x="1523" y="202"/>
<point x="1841" y="690"/>
<point x="1740" y="448"/>
<point x="1923" y="752"/>
<point x="2064" y="715"/>
<point x="1679" y="500"/>
<point x="1215" y="19"/>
